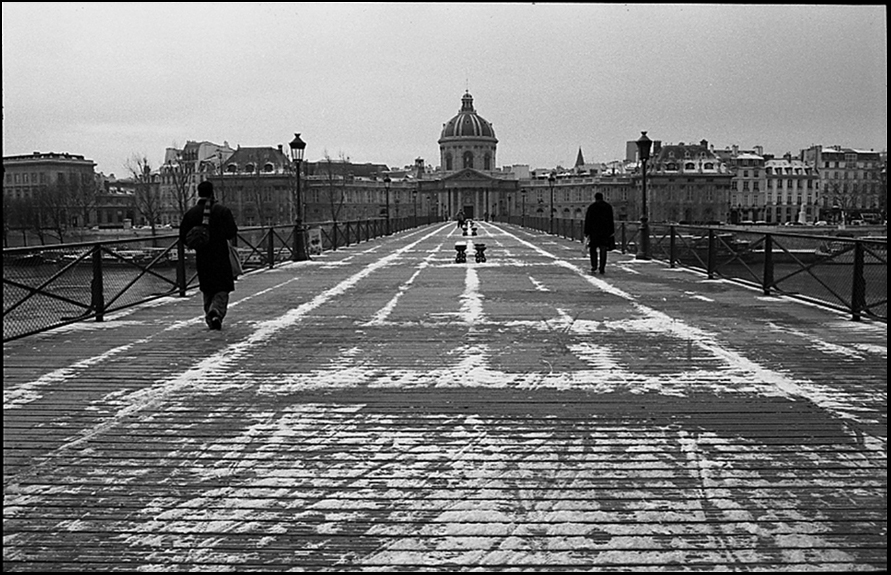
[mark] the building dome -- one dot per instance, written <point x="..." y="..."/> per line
<point x="467" y="124"/>
<point x="467" y="141"/>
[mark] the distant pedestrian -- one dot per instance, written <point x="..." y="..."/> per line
<point x="460" y="219"/>
<point x="215" y="278"/>
<point x="600" y="231"/>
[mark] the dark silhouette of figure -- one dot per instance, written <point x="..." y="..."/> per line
<point x="600" y="231"/>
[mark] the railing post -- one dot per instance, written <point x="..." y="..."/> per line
<point x="270" y="247"/>
<point x="858" y="287"/>
<point x="334" y="236"/>
<point x="181" y="268"/>
<point x="768" y="264"/>
<point x="671" y="247"/>
<point x="712" y="253"/>
<point x="624" y="242"/>
<point x="97" y="297"/>
<point x="297" y="241"/>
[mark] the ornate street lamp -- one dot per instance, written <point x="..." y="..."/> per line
<point x="297" y="148"/>
<point x="387" y="208"/>
<point x="643" y="151"/>
<point x="552" y="177"/>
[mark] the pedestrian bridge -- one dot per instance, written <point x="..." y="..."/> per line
<point x="382" y="407"/>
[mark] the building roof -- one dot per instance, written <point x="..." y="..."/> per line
<point x="467" y="123"/>
<point x="258" y="157"/>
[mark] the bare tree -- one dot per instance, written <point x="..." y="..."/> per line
<point x="148" y="193"/>
<point x="334" y="193"/>
<point x="83" y="196"/>
<point x="179" y="179"/>
<point x="256" y="193"/>
<point x="839" y="198"/>
<point x="16" y="215"/>
<point x="32" y="217"/>
<point x="53" y="209"/>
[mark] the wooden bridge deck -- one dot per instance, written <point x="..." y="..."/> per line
<point x="382" y="408"/>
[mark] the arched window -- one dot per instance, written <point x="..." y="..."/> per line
<point x="689" y="166"/>
<point x="232" y="168"/>
<point x="709" y="166"/>
<point x="468" y="159"/>
<point x="448" y="161"/>
<point x="249" y="168"/>
<point x="268" y="168"/>
<point x="487" y="162"/>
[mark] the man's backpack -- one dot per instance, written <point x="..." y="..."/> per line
<point x="199" y="236"/>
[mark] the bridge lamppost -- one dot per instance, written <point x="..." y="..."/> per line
<point x="387" y="208"/>
<point x="552" y="177"/>
<point x="414" y="201"/>
<point x="524" y="207"/>
<point x="297" y="148"/>
<point x="643" y="151"/>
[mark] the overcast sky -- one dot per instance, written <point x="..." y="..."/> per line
<point x="376" y="82"/>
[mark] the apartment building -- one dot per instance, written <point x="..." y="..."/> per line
<point x="70" y="180"/>
<point x="850" y="181"/>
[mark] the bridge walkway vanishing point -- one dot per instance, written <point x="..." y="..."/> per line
<point x="384" y="408"/>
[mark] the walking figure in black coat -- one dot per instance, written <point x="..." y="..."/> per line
<point x="600" y="231"/>
<point x="215" y="278"/>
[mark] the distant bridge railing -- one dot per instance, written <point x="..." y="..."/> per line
<point x="836" y="271"/>
<point x="46" y="287"/>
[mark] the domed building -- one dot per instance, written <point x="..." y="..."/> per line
<point x="467" y="140"/>
<point x="469" y="180"/>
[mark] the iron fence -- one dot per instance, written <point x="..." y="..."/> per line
<point x="829" y="269"/>
<point x="46" y="287"/>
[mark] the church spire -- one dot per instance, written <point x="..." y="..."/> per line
<point x="580" y="160"/>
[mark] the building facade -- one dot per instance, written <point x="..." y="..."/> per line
<point x="791" y="192"/>
<point x="687" y="183"/>
<point x="851" y="182"/>
<point x="182" y="171"/>
<point x="62" y="185"/>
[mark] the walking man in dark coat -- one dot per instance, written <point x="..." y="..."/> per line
<point x="600" y="231"/>
<point x="212" y="261"/>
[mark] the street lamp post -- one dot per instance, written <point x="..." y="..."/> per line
<point x="387" y="208"/>
<point x="552" y="177"/>
<point x="524" y="208"/>
<point x="643" y="246"/>
<point x="414" y="201"/>
<point x="299" y="253"/>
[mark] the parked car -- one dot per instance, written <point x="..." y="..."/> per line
<point x="821" y="223"/>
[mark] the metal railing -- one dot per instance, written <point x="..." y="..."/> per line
<point x="46" y="287"/>
<point x="840" y="272"/>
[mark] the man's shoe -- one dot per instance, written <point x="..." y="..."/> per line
<point x="216" y="323"/>
<point x="602" y="271"/>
